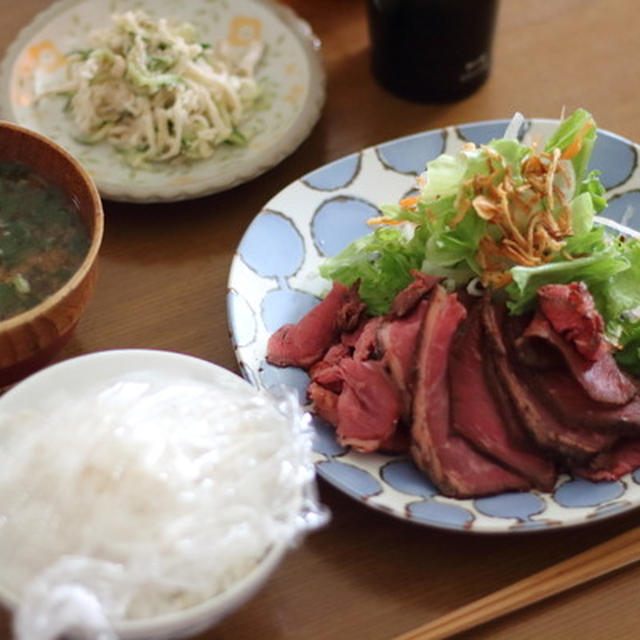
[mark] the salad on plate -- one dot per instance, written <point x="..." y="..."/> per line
<point x="488" y="326"/>
<point x="513" y="217"/>
<point x="156" y="93"/>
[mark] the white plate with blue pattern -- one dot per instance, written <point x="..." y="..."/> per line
<point x="290" y="73"/>
<point x="274" y="280"/>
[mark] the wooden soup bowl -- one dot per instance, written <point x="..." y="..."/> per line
<point x="29" y="340"/>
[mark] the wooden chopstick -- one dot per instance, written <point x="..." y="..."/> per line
<point x="604" y="558"/>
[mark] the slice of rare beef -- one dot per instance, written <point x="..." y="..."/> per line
<point x="406" y="300"/>
<point x="304" y="343"/>
<point x="398" y="340"/>
<point x="570" y="401"/>
<point x="602" y="379"/>
<point x="611" y="465"/>
<point x="517" y="432"/>
<point x="453" y="465"/>
<point x="476" y="414"/>
<point x="572" y="312"/>
<point x="398" y="442"/>
<point x="547" y="429"/>
<point x="326" y="372"/>
<point x="366" y="345"/>
<point x="324" y="402"/>
<point x="369" y="405"/>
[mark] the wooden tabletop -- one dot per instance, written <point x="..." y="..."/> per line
<point x="162" y="285"/>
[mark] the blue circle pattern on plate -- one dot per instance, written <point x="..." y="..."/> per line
<point x="285" y="305"/>
<point x="625" y="209"/>
<point x="409" y="157"/>
<point x="404" y="476"/>
<point x="276" y="275"/>
<point x="335" y="175"/>
<point x="272" y="246"/>
<point x="615" y="159"/>
<point x="325" y="441"/>
<point x="483" y="132"/>
<point x="351" y="478"/>
<point x="340" y="221"/>
<point x="584" y="493"/>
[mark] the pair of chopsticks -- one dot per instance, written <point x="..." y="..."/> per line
<point x="604" y="558"/>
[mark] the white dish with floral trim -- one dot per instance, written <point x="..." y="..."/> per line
<point x="290" y="71"/>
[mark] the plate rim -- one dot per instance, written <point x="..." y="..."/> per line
<point x="292" y="138"/>
<point x="343" y="487"/>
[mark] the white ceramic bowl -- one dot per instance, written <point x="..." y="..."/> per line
<point x="84" y="371"/>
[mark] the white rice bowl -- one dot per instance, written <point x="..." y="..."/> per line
<point x="145" y="493"/>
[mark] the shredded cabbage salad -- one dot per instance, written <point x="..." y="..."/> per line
<point x="511" y="217"/>
<point x="157" y="94"/>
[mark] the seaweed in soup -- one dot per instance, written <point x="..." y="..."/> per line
<point x="43" y="239"/>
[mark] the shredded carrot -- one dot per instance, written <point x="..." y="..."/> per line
<point x="410" y="201"/>
<point x="406" y="203"/>
<point x="576" y="144"/>
<point x="383" y="220"/>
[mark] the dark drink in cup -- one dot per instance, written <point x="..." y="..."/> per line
<point x="431" y="50"/>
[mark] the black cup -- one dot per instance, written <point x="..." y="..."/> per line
<point x="431" y="50"/>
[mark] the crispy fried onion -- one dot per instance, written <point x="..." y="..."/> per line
<point x="531" y="218"/>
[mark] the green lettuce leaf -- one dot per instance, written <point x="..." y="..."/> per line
<point x="444" y="175"/>
<point x="445" y="244"/>
<point x="593" y="270"/>
<point x="381" y="261"/>
<point x="564" y="135"/>
<point x="592" y="241"/>
<point x="618" y="300"/>
<point x="582" y="213"/>
<point x="592" y="185"/>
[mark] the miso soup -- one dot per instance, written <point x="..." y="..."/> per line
<point x="43" y="239"/>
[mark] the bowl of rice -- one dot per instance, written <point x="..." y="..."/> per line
<point x="145" y="494"/>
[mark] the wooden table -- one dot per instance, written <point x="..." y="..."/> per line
<point x="162" y="284"/>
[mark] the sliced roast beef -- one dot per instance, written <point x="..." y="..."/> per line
<point x="304" y="343"/>
<point x="476" y="413"/>
<point x="398" y="442"/>
<point x="612" y="465"/>
<point x="516" y="431"/>
<point x="572" y="312"/>
<point x="324" y="402"/>
<point x="602" y="379"/>
<point x="548" y="430"/>
<point x="326" y="372"/>
<point x="352" y="310"/>
<point x="369" y="405"/>
<point x="327" y="376"/>
<point x="534" y="353"/>
<point x="366" y="345"/>
<point x="455" y="467"/>
<point x="570" y="400"/>
<point x="349" y="338"/>
<point x="405" y="301"/>
<point x="398" y="340"/>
